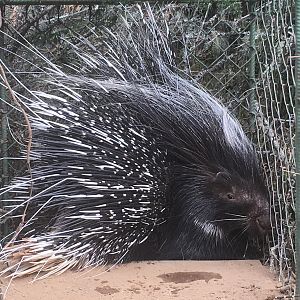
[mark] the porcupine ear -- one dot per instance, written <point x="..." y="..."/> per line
<point x="222" y="185"/>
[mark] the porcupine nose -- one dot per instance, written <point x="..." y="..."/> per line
<point x="264" y="223"/>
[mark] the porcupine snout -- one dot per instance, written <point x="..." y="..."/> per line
<point x="261" y="219"/>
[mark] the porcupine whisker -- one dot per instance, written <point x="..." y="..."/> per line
<point x="236" y="215"/>
<point x="235" y="219"/>
<point x="239" y="234"/>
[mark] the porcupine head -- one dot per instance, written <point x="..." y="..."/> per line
<point x="218" y="199"/>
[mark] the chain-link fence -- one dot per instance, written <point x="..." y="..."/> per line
<point x="240" y="52"/>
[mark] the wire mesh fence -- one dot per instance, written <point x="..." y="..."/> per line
<point x="241" y="52"/>
<point x="275" y="88"/>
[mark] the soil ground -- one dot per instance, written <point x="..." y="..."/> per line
<point x="189" y="280"/>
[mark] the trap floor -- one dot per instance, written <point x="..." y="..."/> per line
<point x="154" y="280"/>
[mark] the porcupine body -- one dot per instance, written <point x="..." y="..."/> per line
<point x="131" y="161"/>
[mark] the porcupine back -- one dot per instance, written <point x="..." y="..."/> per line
<point x="121" y="145"/>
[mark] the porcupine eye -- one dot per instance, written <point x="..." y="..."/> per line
<point x="230" y="196"/>
<point x="222" y="186"/>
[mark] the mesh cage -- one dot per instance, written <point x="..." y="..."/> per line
<point x="275" y="88"/>
<point x="241" y="53"/>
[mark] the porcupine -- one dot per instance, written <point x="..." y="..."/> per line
<point x="131" y="161"/>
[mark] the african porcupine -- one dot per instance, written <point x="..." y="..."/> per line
<point x="131" y="161"/>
